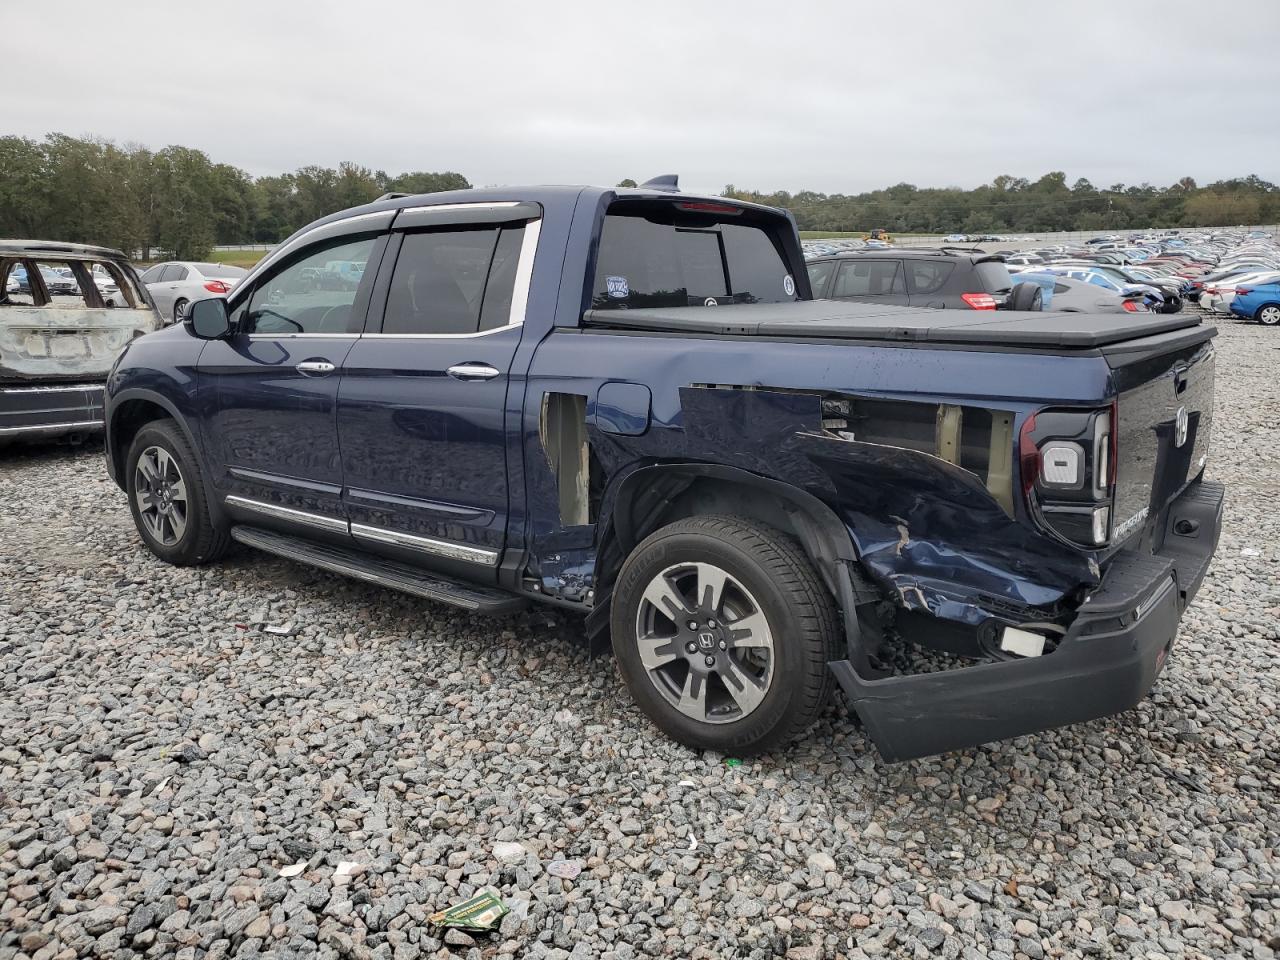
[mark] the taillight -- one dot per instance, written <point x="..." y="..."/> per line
<point x="217" y="286"/>
<point x="1241" y="291"/>
<point x="979" y="301"/>
<point x="1133" y="306"/>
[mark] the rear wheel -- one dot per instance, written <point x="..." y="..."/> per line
<point x="723" y="631"/>
<point x="1269" y="314"/>
<point x="179" y="311"/>
<point x="167" y="497"/>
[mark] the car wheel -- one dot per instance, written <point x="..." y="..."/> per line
<point x="1269" y="315"/>
<point x="723" y="630"/>
<point x="1026" y="296"/>
<point x="167" y="497"/>
<point x="179" y="310"/>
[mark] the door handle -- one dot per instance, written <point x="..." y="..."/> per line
<point x="472" y="371"/>
<point x="315" y="368"/>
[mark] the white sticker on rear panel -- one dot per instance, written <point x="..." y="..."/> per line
<point x="788" y="286"/>
<point x="618" y="287"/>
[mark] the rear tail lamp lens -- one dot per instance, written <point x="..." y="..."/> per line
<point x="216" y="286"/>
<point x="1241" y="291"/>
<point x="1135" y="306"/>
<point x="1028" y="455"/>
<point x="979" y="301"/>
<point x="1062" y="464"/>
<point x="1101" y="526"/>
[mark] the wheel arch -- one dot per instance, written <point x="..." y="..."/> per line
<point x="653" y="496"/>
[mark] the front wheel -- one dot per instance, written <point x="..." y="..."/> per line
<point x="1269" y="315"/>
<point x="167" y="497"/>
<point x="179" y="311"/>
<point x="723" y="630"/>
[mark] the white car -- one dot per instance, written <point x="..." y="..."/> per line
<point x="1217" y="296"/>
<point x="175" y="284"/>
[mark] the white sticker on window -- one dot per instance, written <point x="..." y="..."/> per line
<point x="788" y="286"/>
<point x="618" y="287"/>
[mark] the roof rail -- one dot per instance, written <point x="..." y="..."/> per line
<point x="668" y="183"/>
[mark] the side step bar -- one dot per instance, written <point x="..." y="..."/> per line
<point x="385" y="573"/>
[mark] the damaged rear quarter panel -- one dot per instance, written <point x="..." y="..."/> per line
<point x="928" y="531"/>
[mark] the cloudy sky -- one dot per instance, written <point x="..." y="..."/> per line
<point x="837" y="97"/>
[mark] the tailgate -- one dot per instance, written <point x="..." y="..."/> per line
<point x="1165" y="410"/>
<point x="38" y="342"/>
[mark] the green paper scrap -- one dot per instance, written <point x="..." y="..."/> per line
<point x="733" y="762"/>
<point x="482" y="912"/>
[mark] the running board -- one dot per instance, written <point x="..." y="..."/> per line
<point x="359" y="565"/>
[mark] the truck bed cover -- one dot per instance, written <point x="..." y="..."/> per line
<point x="831" y="319"/>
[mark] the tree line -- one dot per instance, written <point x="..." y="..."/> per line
<point x="174" y="201"/>
<point x="178" y="202"/>
<point x="1014" y="204"/>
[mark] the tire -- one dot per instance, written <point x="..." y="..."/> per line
<point x="1268" y="314"/>
<point x="182" y="537"/>
<point x="767" y="579"/>
<point x="179" y="310"/>
<point x="1026" y="296"/>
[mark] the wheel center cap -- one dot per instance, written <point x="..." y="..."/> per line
<point x="706" y="640"/>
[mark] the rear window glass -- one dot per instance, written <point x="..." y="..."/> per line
<point x="927" y="276"/>
<point x="665" y="259"/>
<point x="220" y="270"/>
<point x="993" y="275"/>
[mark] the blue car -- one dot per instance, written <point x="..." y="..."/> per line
<point x="1259" y="302"/>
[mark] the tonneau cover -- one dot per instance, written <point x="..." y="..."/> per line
<point x="834" y="319"/>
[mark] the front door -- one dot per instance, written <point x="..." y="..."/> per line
<point x="421" y="409"/>
<point x="271" y="389"/>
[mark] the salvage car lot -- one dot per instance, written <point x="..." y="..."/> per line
<point x="174" y="736"/>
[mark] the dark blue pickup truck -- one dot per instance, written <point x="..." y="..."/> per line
<point x="626" y="403"/>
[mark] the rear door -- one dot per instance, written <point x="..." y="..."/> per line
<point x="270" y="390"/>
<point x="926" y="280"/>
<point x="870" y="280"/>
<point x="422" y="406"/>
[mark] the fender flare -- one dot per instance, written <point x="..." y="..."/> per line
<point x="115" y="466"/>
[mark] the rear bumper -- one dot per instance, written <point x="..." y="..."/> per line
<point x="1106" y="663"/>
<point x="50" y="409"/>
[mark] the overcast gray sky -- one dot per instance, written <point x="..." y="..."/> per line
<point x="837" y="97"/>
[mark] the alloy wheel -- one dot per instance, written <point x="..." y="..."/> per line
<point x="161" y="495"/>
<point x="1269" y="315"/>
<point x="705" y="643"/>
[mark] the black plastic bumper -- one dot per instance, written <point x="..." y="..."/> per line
<point x="1107" y="662"/>
<point x="50" y="409"/>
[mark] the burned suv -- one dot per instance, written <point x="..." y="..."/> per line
<point x="951" y="277"/>
<point x="66" y="312"/>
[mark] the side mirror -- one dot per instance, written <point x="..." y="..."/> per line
<point x="208" y="319"/>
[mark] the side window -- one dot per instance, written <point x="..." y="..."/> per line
<point x="63" y="284"/>
<point x="312" y="294"/>
<point x="819" y="276"/>
<point x="152" y="274"/>
<point x="454" y="280"/>
<point x="175" y="273"/>
<point x="17" y="286"/>
<point x="928" y="276"/>
<point x="1061" y="288"/>
<point x="869" y="278"/>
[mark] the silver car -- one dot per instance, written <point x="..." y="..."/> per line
<point x="174" y="284"/>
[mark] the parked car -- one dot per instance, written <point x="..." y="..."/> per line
<point x="173" y="285"/>
<point x="1258" y="301"/>
<point x="1069" y="295"/>
<point x="59" y="336"/>
<point x="640" y="414"/>
<point x="1218" y="297"/>
<point x="922" y="278"/>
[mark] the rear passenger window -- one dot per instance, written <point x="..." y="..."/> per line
<point x="453" y="281"/>
<point x="153" y="274"/>
<point x="928" y="276"/>
<point x="869" y="278"/>
<point x="17" y="286"/>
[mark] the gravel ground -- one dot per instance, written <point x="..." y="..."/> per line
<point x="163" y="756"/>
